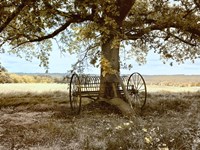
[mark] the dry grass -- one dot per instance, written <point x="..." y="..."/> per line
<point x="43" y="121"/>
<point x="38" y="117"/>
<point x="32" y="88"/>
<point x="173" y="89"/>
<point x="173" y="80"/>
<point x="52" y="87"/>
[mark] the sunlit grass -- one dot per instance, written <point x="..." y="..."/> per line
<point x="11" y="88"/>
<point x="52" y="87"/>
<point x="176" y="89"/>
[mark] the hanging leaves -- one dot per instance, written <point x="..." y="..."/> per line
<point x="106" y="67"/>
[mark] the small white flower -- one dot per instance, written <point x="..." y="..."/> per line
<point x="118" y="127"/>
<point x="157" y="140"/>
<point x="163" y="147"/>
<point x="147" y="140"/>
<point x="144" y="129"/>
<point x="126" y="123"/>
<point x="172" y="140"/>
<point x="133" y="134"/>
<point x="197" y="140"/>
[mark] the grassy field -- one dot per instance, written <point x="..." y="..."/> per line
<point x="38" y="117"/>
<point x="53" y="87"/>
<point x="173" y="80"/>
<point x="32" y="87"/>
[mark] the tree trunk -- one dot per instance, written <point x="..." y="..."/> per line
<point x="109" y="84"/>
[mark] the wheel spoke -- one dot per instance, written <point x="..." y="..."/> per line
<point x="138" y="81"/>
<point x="140" y="86"/>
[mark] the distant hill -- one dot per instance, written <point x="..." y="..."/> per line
<point x="6" y="77"/>
<point x="57" y="75"/>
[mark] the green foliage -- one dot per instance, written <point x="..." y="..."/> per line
<point x="170" y="28"/>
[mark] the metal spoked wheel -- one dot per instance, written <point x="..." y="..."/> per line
<point x="136" y="87"/>
<point x="75" y="94"/>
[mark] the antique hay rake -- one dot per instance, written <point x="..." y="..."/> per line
<point x="88" y="86"/>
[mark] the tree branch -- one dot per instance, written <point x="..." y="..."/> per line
<point x="13" y="15"/>
<point x="125" y="6"/>
<point x="182" y="40"/>
<point x="73" y="19"/>
<point x="139" y="33"/>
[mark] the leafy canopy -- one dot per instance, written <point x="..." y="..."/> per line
<point x="170" y="28"/>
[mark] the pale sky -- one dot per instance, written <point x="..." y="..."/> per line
<point x="61" y="64"/>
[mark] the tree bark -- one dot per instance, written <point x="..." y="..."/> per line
<point x="109" y="83"/>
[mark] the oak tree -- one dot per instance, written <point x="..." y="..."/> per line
<point x="99" y="31"/>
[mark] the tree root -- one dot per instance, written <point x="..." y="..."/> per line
<point x="123" y="106"/>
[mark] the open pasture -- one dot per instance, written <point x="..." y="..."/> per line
<point x="53" y="87"/>
<point x="38" y="116"/>
<point x="32" y="87"/>
<point x="173" y="80"/>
